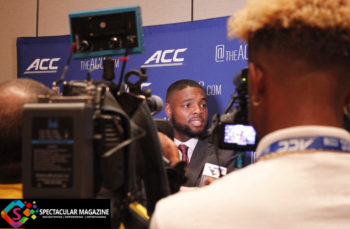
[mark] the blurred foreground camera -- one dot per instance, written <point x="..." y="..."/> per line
<point x="97" y="139"/>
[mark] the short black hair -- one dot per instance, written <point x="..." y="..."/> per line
<point x="181" y="84"/>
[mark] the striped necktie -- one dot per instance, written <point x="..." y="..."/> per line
<point x="183" y="148"/>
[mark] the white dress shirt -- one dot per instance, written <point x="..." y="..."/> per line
<point x="191" y="144"/>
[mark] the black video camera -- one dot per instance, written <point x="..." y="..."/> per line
<point x="96" y="139"/>
<point x="231" y="130"/>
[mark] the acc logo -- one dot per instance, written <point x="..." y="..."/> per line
<point x="44" y="65"/>
<point x="168" y="57"/>
<point x="18" y="212"/>
<point x="294" y="144"/>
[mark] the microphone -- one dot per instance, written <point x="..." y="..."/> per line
<point x="240" y="83"/>
<point x="211" y="171"/>
<point x="155" y="104"/>
<point x="239" y="77"/>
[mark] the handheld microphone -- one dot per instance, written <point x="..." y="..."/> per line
<point x="212" y="171"/>
<point x="155" y="104"/>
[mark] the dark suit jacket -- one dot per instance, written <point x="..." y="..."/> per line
<point x="205" y="152"/>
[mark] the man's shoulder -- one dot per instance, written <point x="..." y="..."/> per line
<point x="194" y="204"/>
<point x="205" y="141"/>
<point x="226" y="157"/>
<point x="211" y="149"/>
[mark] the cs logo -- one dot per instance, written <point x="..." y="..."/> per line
<point x="18" y="212"/>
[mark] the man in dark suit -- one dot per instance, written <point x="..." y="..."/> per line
<point x="186" y="107"/>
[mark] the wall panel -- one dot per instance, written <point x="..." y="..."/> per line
<point x="204" y="9"/>
<point x="53" y="14"/>
<point x="17" y="18"/>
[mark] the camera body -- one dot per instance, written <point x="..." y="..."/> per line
<point x="65" y="137"/>
<point x="232" y="128"/>
<point x="97" y="139"/>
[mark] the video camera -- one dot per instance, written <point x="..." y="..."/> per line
<point x="97" y="139"/>
<point x="231" y="130"/>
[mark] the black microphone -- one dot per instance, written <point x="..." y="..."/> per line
<point x="155" y="104"/>
<point x="237" y="79"/>
<point x="240" y="76"/>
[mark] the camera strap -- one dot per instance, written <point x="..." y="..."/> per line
<point x="305" y="145"/>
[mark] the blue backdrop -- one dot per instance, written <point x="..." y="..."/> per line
<point x="197" y="50"/>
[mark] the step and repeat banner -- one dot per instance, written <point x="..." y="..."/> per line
<point x="197" y="50"/>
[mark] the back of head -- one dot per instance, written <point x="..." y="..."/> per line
<point x="303" y="47"/>
<point x="13" y="95"/>
<point x="179" y="85"/>
<point x="314" y="31"/>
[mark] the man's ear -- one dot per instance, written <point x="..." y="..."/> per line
<point x="256" y="80"/>
<point x="168" y="110"/>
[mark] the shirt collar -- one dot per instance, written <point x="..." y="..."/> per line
<point x="191" y="143"/>
<point x="301" y="131"/>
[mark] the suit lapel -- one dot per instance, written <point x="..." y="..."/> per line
<point x="198" y="159"/>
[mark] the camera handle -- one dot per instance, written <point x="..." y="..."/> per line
<point x="135" y="87"/>
<point x="108" y="69"/>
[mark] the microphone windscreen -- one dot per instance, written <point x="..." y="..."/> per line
<point x="155" y="104"/>
<point x="237" y="78"/>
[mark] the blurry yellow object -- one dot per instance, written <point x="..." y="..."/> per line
<point x="139" y="209"/>
<point x="11" y="191"/>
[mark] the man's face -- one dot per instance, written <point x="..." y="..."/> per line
<point x="188" y="112"/>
